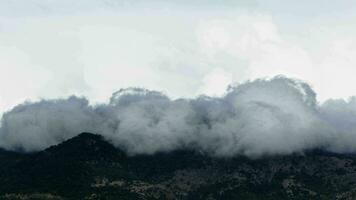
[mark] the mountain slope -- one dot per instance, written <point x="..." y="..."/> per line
<point x="88" y="167"/>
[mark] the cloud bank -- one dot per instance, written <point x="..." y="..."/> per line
<point x="261" y="117"/>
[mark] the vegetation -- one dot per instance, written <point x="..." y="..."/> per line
<point x="87" y="167"/>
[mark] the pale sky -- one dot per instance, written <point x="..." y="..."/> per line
<point x="56" y="48"/>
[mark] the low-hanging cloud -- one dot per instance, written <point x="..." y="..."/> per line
<point x="260" y="117"/>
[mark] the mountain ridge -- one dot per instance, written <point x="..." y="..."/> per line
<point x="88" y="167"/>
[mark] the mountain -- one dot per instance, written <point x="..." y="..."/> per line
<point x="88" y="167"/>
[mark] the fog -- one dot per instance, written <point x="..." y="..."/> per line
<point x="260" y="117"/>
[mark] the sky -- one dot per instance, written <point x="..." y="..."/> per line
<point x="56" y="48"/>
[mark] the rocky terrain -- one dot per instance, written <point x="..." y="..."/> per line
<point x="88" y="167"/>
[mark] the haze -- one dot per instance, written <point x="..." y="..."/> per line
<point x="53" y="49"/>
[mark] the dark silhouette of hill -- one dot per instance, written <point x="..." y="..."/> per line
<point x="88" y="167"/>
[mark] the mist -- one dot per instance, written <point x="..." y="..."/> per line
<point x="275" y="116"/>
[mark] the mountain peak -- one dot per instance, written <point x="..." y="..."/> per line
<point x="88" y="136"/>
<point x="88" y="167"/>
<point x="86" y="146"/>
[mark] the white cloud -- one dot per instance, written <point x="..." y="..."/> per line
<point x="94" y="49"/>
<point x="216" y="82"/>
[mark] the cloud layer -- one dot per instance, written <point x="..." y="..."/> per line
<point x="256" y="118"/>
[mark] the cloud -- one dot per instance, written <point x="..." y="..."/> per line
<point x="260" y="117"/>
<point x="97" y="46"/>
<point x="35" y="126"/>
<point x="341" y="116"/>
<point x="215" y="82"/>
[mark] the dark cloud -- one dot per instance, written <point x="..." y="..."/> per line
<point x="256" y="118"/>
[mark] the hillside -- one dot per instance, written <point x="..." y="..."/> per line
<point x="88" y="167"/>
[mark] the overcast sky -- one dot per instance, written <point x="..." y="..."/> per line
<point x="55" y="48"/>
